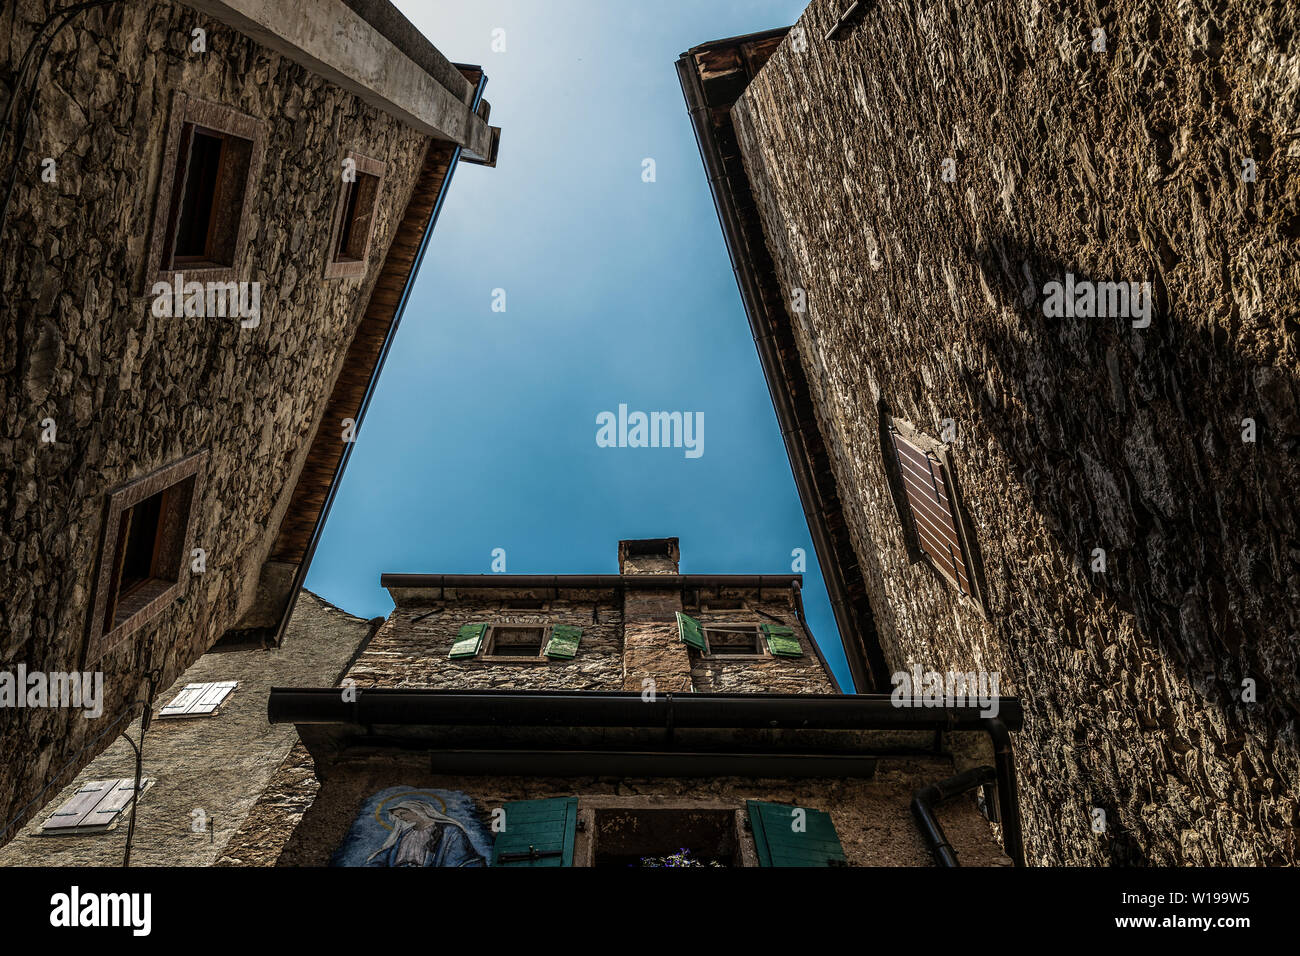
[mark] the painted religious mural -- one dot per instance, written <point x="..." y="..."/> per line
<point x="403" y="826"/>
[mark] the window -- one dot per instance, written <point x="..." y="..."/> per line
<point x="657" y="832"/>
<point x="209" y="173"/>
<point x="514" y="641"/>
<point x="654" y="837"/>
<point x="146" y="543"/>
<point x="354" y="216"/>
<point x="725" y="639"/>
<point x="95" y="808"/>
<point x="200" y="700"/>
<point x="732" y="640"/>
<point x="929" y="508"/>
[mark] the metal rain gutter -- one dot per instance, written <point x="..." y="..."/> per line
<point x="370" y="706"/>
<point x="647" y="582"/>
<point x="814" y="510"/>
<point x="300" y="576"/>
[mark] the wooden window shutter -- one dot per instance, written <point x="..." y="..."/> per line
<point x="782" y="641"/>
<point x="468" y="640"/>
<point x="778" y="843"/>
<point x="199" y="700"/>
<point x="688" y="629"/>
<point x="934" y="515"/>
<point x="95" y="806"/>
<point x="537" y="833"/>
<point x="564" y="642"/>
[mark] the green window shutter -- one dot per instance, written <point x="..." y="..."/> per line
<point x="781" y="640"/>
<point x="537" y="833"/>
<point x="564" y="642"/>
<point x="778" y="844"/>
<point x="688" y="629"/>
<point x="468" y="640"/>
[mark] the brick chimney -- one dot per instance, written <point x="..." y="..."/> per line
<point x="648" y="556"/>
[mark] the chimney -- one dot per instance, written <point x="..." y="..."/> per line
<point x="648" y="556"/>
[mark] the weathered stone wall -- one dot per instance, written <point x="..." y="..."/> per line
<point x="925" y="302"/>
<point x="130" y="392"/>
<point x="871" y="816"/>
<point x="411" y="648"/>
<point x="634" y="638"/>
<point x="765" y="675"/>
<point x="217" y="765"/>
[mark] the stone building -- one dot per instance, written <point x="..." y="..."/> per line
<point x="1094" y="500"/>
<point x="215" y="212"/>
<point x="602" y="719"/>
<point x="205" y="768"/>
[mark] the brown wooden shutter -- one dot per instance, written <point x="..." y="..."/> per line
<point x="929" y="496"/>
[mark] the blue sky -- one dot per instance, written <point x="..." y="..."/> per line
<point x="482" y="433"/>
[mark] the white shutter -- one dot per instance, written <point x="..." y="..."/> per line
<point x="199" y="700"/>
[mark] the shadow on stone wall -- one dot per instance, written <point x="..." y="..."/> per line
<point x="1130" y="439"/>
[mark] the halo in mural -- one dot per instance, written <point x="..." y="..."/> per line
<point x="432" y="794"/>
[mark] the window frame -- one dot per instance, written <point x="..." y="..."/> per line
<point x="489" y="644"/>
<point x="209" y="118"/>
<point x="102" y="639"/>
<point x="336" y="268"/>
<point x="759" y="642"/>
<point x="592" y="807"/>
<point x="941" y="453"/>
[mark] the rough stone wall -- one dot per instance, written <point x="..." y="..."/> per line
<point x="413" y="653"/>
<point x="765" y="675"/>
<point x="925" y="301"/>
<point x="871" y="816"/>
<point x="130" y="392"/>
<point x="219" y="765"/>
<point x="633" y="639"/>
<point x="653" y="650"/>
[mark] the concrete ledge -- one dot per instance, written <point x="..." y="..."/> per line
<point x="333" y="40"/>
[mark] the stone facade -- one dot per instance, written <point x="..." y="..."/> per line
<point x="871" y="817"/>
<point x="925" y="302"/>
<point x="127" y="392"/>
<point x="629" y="634"/>
<point x="216" y="765"/>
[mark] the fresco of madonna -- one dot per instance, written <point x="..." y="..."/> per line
<point x="402" y="826"/>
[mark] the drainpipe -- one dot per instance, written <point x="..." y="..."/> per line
<point x="1004" y="762"/>
<point x="300" y="576"/>
<point x="1002" y="774"/>
<point x="927" y="798"/>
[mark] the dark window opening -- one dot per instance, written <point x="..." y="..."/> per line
<point x="147" y="556"/>
<point x="208" y="199"/>
<point x="666" y="838"/>
<point x="358" y="211"/>
<point x="516" y="642"/>
<point x="732" y="641"/>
